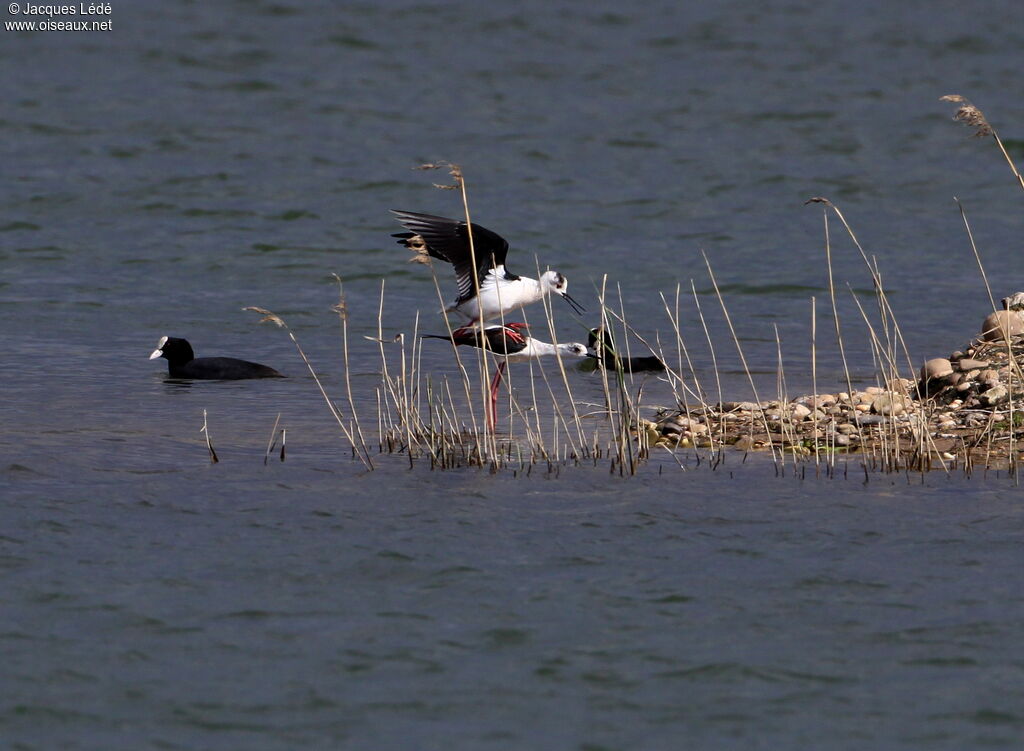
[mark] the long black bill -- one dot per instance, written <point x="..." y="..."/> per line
<point x="580" y="310"/>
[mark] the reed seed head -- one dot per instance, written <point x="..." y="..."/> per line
<point x="453" y="169"/>
<point x="969" y="115"/>
<point x="267" y="316"/>
<point x="418" y="246"/>
<point x="340" y="307"/>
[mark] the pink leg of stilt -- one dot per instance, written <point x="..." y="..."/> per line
<point x="495" y="383"/>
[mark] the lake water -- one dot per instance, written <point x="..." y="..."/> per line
<point x="203" y="157"/>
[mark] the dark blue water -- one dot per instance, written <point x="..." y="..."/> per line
<point x="202" y="157"/>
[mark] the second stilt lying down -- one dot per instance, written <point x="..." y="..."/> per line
<point x="509" y="343"/>
<point x="604" y="350"/>
<point x="501" y="291"/>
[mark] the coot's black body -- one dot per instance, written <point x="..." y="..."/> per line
<point x="601" y="346"/>
<point x="182" y="363"/>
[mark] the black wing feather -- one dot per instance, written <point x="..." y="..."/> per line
<point x="498" y="339"/>
<point x="448" y="240"/>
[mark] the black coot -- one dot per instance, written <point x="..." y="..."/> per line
<point x="182" y="363"/>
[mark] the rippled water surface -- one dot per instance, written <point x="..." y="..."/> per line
<point x="202" y="157"/>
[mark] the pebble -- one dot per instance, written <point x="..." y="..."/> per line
<point x="890" y="404"/>
<point x="967" y="363"/>
<point x="988" y="376"/>
<point x="685" y="423"/>
<point x="995" y="395"/>
<point x="939" y="367"/>
<point x="1002" y="325"/>
<point x="745" y="443"/>
<point x="1014" y="301"/>
<point x="958" y="397"/>
<point x="799" y="412"/>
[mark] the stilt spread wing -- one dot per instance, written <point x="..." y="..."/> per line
<point x="448" y="240"/>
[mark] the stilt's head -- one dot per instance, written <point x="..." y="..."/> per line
<point x="574" y="349"/>
<point x="555" y="282"/>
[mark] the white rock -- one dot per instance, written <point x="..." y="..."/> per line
<point x="890" y="404"/>
<point x="995" y="395"/>
<point x="1002" y="325"/>
<point x="799" y="412"/>
<point x="1014" y="301"/>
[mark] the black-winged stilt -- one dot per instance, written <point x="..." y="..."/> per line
<point x="182" y="363"/>
<point x="509" y="343"/>
<point x="501" y="291"/>
<point x="602" y="347"/>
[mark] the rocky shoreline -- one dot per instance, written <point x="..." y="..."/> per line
<point x="966" y="409"/>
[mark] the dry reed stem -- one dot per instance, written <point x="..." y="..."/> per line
<point x="456" y="172"/>
<point x="205" y="430"/>
<point x="977" y="255"/>
<point x="714" y="358"/>
<point x="273" y="439"/>
<point x="682" y="351"/>
<point x="814" y="374"/>
<point x="268" y="316"/>
<point x="549" y="315"/>
<point x="785" y="420"/>
<point x="621" y="425"/>
<point x="739" y="349"/>
<point x="341" y="308"/>
<point x="970" y="115"/>
<point x="882" y="298"/>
